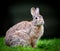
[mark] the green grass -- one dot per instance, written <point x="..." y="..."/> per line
<point x="42" y="45"/>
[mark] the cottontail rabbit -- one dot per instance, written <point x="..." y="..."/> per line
<point x="26" y="33"/>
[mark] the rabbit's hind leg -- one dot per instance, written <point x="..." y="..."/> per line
<point x="17" y="41"/>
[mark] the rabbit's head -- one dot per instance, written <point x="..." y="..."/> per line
<point x="37" y="18"/>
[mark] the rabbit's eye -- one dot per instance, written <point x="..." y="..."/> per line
<point x="36" y="18"/>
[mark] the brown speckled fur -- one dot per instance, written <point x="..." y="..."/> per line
<point x="26" y="33"/>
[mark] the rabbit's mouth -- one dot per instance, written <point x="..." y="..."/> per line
<point x="40" y="23"/>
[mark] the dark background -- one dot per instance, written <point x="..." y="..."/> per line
<point x="13" y="12"/>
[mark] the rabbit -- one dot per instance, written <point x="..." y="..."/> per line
<point x="26" y="33"/>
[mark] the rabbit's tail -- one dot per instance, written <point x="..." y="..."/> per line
<point x="7" y="42"/>
<point x="15" y="41"/>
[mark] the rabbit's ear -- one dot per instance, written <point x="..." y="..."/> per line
<point x="33" y="11"/>
<point x="37" y="11"/>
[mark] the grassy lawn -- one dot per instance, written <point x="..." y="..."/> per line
<point x="42" y="45"/>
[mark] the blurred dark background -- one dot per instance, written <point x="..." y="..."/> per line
<point x="13" y="12"/>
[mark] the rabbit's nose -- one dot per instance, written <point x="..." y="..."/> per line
<point x="41" y="20"/>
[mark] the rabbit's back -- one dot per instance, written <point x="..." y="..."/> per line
<point x="24" y="25"/>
